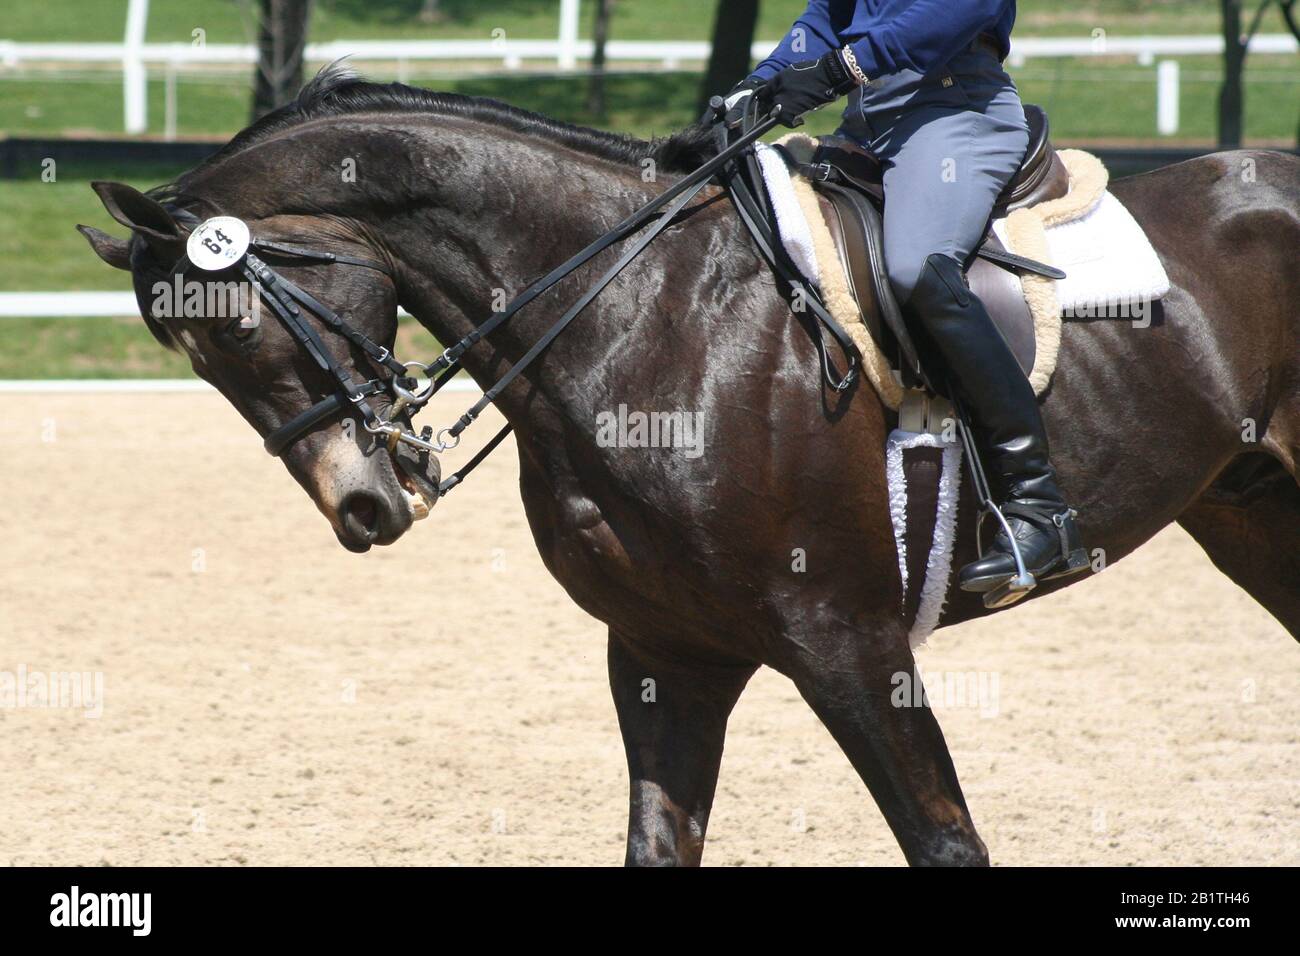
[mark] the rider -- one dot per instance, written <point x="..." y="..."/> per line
<point x="931" y="101"/>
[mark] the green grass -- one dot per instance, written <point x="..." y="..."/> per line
<point x="39" y="243"/>
<point x="1086" y="99"/>
<point x="121" y="348"/>
<point x="1117" y="99"/>
<point x="85" y="348"/>
<point x="42" y="251"/>
<point x="641" y="103"/>
<point x="1124" y="17"/>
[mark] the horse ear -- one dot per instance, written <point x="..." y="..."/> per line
<point x="142" y="215"/>
<point x="116" y="252"/>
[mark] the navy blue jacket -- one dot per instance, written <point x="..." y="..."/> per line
<point x="892" y="35"/>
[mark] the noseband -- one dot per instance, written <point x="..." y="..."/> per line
<point x="224" y="242"/>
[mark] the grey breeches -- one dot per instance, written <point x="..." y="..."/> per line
<point x="949" y="144"/>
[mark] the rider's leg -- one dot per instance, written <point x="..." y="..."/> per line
<point x="989" y="382"/>
<point x="945" y="166"/>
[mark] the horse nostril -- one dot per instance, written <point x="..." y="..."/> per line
<point x="360" y="514"/>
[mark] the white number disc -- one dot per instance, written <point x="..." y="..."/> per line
<point x="218" y="243"/>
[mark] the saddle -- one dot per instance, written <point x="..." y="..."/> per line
<point x="848" y="181"/>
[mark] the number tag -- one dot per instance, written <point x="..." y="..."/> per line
<point x="218" y="243"/>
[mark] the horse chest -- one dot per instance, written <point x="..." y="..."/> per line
<point x="578" y="546"/>
<point x="584" y="537"/>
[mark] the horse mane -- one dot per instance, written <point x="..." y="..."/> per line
<point x="338" y="91"/>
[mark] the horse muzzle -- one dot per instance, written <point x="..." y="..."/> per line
<point x="418" y="473"/>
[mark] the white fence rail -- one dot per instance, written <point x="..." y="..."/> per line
<point x="512" y="53"/>
<point x="62" y="386"/>
<point x="79" y="304"/>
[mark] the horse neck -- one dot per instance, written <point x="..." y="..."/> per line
<point x="505" y="211"/>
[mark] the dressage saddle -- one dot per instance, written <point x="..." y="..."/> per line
<point x="848" y="182"/>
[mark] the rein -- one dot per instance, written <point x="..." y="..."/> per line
<point x="222" y="242"/>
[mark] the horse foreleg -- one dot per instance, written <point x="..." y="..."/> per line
<point x="673" y="717"/>
<point x="892" y="740"/>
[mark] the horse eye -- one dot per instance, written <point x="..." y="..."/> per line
<point x="242" y="329"/>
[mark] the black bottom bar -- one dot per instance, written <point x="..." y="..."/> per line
<point x="926" y="907"/>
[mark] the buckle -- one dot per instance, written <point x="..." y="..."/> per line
<point x="1060" y="519"/>
<point x="819" y="172"/>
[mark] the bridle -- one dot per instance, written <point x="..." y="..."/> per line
<point x="224" y="242"/>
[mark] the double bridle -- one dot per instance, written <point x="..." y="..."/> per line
<point x="223" y="242"/>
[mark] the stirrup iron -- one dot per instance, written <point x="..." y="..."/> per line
<point x="1013" y="590"/>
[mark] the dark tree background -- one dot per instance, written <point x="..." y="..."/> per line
<point x="1236" y="40"/>
<point x="281" y="40"/>
<point x="733" y="35"/>
<point x="596" y="104"/>
<point x="1231" y="96"/>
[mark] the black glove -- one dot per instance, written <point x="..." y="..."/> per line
<point x="802" y="87"/>
<point x="737" y="99"/>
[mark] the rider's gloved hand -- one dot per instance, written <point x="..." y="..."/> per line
<point x="737" y="99"/>
<point x="802" y="87"/>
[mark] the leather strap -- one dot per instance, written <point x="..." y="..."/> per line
<point x="575" y="310"/>
<point x="756" y="218"/>
<point x="449" y="483"/>
<point x="286" y="299"/>
<point x="303" y="422"/>
<point x="446" y="363"/>
<point x="1017" y="263"/>
<point x="1043" y="517"/>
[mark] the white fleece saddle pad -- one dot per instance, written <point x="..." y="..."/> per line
<point x="1107" y="259"/>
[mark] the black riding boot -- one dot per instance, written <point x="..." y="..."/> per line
<point x="1008" y="424"/>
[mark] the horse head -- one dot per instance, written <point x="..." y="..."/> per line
<point x="314" y="389"/>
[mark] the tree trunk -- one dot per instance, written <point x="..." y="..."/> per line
<point x="281" y="41"/>
<point x="733" y="35"/>
<point x="429" y="12"/>
<point x="1292" y="24"/>
<point x="1231" y="97"/>
<point x="596" y="104"/>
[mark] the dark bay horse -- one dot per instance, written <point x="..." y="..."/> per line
<point x="774" y="545"/>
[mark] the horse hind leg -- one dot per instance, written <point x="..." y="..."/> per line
<point x="1248" y="522"/>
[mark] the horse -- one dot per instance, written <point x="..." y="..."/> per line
<point x="773" y="545"/>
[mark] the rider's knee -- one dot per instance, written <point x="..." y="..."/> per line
<point x="936" y="280"/>
<point x="903" y="275"/>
